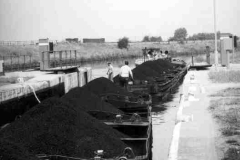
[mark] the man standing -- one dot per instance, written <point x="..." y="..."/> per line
<point x="110" y="71"/>
<point x="125" y="74"/>
<point x="208" y="55"/>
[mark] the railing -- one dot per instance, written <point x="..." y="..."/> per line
<point x="61" y="59"/>
<point x="18" y="63"/>
<point x="66" y="58"/>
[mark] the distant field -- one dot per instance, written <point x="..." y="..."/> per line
<point x="106" y="51"/>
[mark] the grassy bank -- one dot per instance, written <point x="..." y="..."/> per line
<point x="106" y="51"/>
<point x="230" y="76"/>
<point x="225" y="109"/>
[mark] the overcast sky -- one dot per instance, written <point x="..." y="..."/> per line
<point x="113" y="19"/>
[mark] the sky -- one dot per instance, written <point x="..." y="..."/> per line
<point x="113" y="19"/>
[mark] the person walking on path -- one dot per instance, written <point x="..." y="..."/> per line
<point x="125" y="75"/>
<point x="110" y="71"/>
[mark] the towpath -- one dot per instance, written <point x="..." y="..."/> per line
<point x="198" y="138"/>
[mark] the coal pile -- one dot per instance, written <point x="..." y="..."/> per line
<point x="12" y="151"/>
<point x="152" y="69"/>
<point x="88" y="101"/>
<point x="56" y="127"/>
<point x="160" y="65"/>
<point x="103" y="85"/>
<point x="144" y="72"/>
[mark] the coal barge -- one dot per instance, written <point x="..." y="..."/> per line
<point x="131" y="115"/>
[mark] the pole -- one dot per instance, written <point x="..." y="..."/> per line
<point x="215" y="31"/>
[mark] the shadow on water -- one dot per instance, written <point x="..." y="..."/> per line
<point x="160" y="105"/>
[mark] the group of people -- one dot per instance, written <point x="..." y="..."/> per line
<point x="155" y="54"/>
<point x="125" y="74"/>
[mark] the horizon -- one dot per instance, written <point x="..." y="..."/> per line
<point x="25" y="20"/>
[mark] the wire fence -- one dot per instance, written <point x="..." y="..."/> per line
<point x="21" y="43"/>
<point x="35" y="42"/>
<point x="18" y="43"/>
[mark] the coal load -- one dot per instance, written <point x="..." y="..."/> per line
<point x="153" y="69"/>
<point x="144" y="72"/>
<point x="55" y="127"/>
<point x="103" y="85"/>
<point x="88" y="101"/>
<point x="12" y="151"/>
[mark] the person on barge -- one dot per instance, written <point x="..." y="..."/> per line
<point x="125" y="75"/>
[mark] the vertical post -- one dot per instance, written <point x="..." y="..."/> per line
<point x="215" y="31"/>
<point x="54" y="58"/>
<point x="60" y="58"/>
<point x="43" y="60"/>
<point x="66" y="58"/>
<point x="75" y="57"/>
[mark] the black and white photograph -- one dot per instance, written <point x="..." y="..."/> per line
<point x="119" y="80"/>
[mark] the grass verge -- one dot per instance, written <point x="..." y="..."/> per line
<point x="227" y="113"/>
<point x="224" y="76"/>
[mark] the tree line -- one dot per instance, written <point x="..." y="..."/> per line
<point x="179" y="35"/>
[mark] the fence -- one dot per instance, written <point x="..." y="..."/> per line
<point x="24" y="62"/>
<point x="18" y="43"/>
<point x="21" y="43"/>
<point x="18" y="63"/>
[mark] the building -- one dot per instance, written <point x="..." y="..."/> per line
<point x="93" y="40"/>
<point x="72" y="40"/>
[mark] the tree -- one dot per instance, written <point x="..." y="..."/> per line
<point x="180" y="34"/>
<point x="171" y="39"/>
<point x="204" y="36"/>
<point x="123" y="43"/>
<point x="159" y="39"/>
<point x="146" y="39"/>
<point x="152" y="39"/>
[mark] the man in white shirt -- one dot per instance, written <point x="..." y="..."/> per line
<point x="125" y="74"/>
